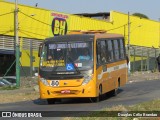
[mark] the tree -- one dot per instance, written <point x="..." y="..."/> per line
<point x="140" y="15"/>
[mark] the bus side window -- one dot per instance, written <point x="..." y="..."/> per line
<point x="116" y="49"/>
<point x="121" y="48"/>
<point x="110" y="50"/>
<point x="98" y="52"/>
<point x="103" y="52"/>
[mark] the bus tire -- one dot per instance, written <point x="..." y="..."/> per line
<point x="98" y="98"/>
<point x="115" y="91"/>
<point x="94" y="99"/>
<point x="100" y="93"/>
<point x="50" y="101"/>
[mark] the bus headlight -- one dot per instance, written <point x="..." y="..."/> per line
<point x="44" y="81"/>
<point x="86" y="79"/>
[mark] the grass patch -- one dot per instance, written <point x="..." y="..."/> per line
<point x="146" y="106"/>
<point x="8" y="88"/>
<point x="140" y="108"/>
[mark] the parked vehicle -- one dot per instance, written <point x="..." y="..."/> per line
<point x="11" y="79"/>
<point x="7" y="81"/>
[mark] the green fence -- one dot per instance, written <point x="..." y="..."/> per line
<point x="143" y="58"/>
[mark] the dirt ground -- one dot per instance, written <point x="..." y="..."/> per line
<point x="27" y="91"/>
<point x="140" y="76"/>
<point x="29" y="87"/>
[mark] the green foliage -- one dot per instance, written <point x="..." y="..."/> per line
<point x="140" y="15"/>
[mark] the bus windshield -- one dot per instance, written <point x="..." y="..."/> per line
<point x="67" y="57"/>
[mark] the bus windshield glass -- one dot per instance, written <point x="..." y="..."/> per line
<point x="68" y="56"/>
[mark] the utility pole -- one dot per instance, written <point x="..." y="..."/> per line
<point x="17" y="50"/>
<point x="31" y="58"/>
<point x="159" y="32"/>
<point x="129" y="64"/>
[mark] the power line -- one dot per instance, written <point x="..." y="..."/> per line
<point x="25" y="33"/>
<point x="35" y="19"/>
<point x="32" y="33"/>
<point x="6" y="13"/>
<point x="116" y="27"/>
<point x="7" y="32"/>
<point x="33" y="28"/>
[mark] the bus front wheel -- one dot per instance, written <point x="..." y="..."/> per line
<point x="50" y="101"/>
<point x="99" y="97"/>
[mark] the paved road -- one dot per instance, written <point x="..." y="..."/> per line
<point x="130" y="94"/>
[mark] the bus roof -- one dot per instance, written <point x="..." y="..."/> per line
<point x="108" y="35"/>
<point x="96" y="33"/>
<point x="85" y="35"/>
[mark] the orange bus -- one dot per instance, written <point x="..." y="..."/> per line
<point x="85" y="65"/>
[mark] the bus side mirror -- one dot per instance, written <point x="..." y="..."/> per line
<point x="40" y="49"/>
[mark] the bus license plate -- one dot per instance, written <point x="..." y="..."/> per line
<point x="54" y="83"/>
<point x="65" y="91"/>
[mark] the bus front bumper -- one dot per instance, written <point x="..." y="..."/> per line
<point x="67" y="92"/>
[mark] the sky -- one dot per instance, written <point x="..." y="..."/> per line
<point x="151" y="8"/>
